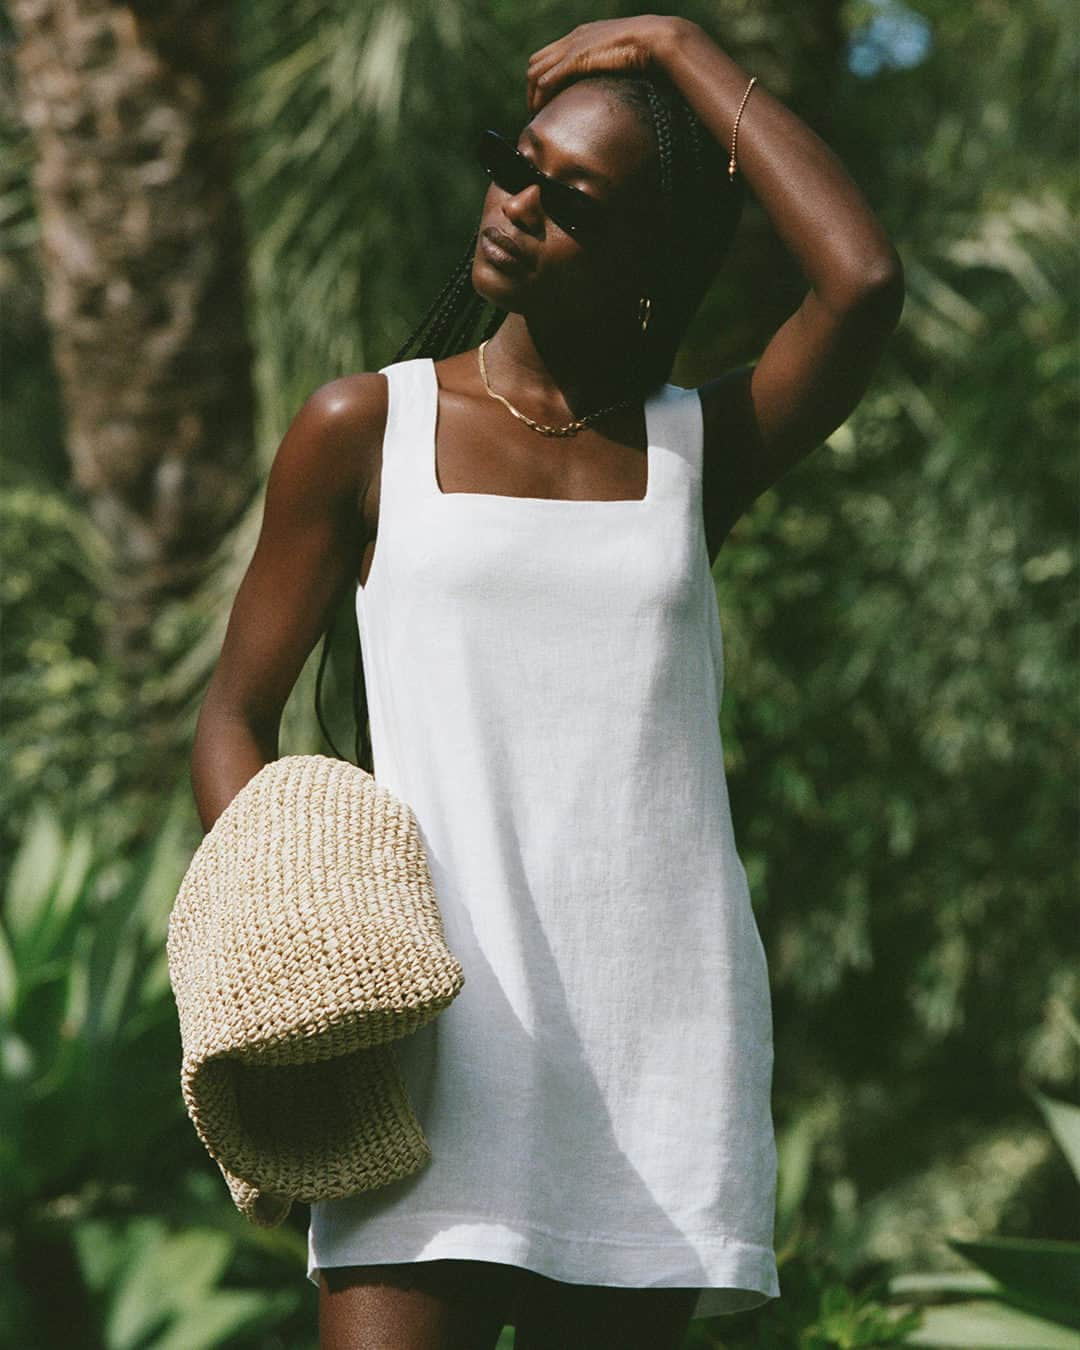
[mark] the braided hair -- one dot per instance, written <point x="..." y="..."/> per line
<point x="699" y="208"/>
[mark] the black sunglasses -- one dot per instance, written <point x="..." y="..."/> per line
<point x="572" y="210"/>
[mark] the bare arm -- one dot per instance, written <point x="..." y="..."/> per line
<point x="762" y="419"/>
<point x="308" y="551"/>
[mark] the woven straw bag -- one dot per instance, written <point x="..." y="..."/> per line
<point x="304" y="939"/>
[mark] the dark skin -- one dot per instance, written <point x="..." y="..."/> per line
<point x="560" y="353"/>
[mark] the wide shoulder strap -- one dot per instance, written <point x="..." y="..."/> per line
<point x="687" y="423"/>
<point x="407" y="439"/>
<point x="676" y="429"/>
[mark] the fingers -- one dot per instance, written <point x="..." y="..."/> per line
<point x="539" y="79"/>
<point x="546" y="84"/>
<point x="546" y="58"/>
<point x="544" y="51"/>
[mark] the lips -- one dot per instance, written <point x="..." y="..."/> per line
<point x="500" y="249"/>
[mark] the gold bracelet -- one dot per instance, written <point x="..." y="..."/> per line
<point x="735" y="128"/>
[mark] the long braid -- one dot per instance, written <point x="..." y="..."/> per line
<point x="649" y="350"/>
<point x="662" y="126"/>
<point x="694" y="134"/>
<point x="699" y="211"/>
<point x="445" y="309"/>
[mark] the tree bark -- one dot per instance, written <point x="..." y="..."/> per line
<point x="143" y="262"/>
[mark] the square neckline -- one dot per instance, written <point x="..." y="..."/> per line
<point x="651" y="459"/>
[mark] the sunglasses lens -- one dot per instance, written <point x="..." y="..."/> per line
<point x="501" y="163"/>
<point x="571" y="210"/>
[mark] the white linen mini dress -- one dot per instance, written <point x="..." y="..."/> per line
<point x="544" y="680"/>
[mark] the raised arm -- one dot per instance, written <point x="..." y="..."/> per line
<point x="761" y="419"/>
<point x="308" y="551"/>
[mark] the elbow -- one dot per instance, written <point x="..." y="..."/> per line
<point x="882" y="290"/>
<point x="873" y="295"/>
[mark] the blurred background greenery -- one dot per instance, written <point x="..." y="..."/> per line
<point x="210" y="210"/>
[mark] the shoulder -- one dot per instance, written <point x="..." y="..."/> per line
<point x="348" y="417"/>
<point x="350" y="399"/>
<point x="335" y="439"/>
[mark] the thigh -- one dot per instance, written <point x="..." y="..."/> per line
<point x="416" y="1305"/>
<point x="553" y="1315"/>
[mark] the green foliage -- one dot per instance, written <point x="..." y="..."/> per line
<point x="63" y="731"/>
<point x="817" y="1311"/>
<point x="163" y="1288"/>
<point x="900" y="616"/>
<point x="102" y="1177"/>
<point x="85" y="1005"/>
<point x="74" y="730"/>
<point x="1027" y="1291"/>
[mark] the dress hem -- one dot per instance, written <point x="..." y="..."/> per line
<point x="732" y="1276"/>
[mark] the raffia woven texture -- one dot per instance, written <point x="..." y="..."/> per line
<point x="305" y="938"/>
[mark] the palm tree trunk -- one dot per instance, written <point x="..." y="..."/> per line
<point x="143" y="263"/>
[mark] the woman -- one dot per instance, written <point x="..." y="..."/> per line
<point x="532" y="522"/>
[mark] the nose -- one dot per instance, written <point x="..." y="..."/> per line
<point x="524" y="208"/>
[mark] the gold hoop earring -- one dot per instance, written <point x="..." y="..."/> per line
<point x="644" y="309"/>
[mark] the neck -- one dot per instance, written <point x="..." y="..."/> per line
<point x="562" y="374"/>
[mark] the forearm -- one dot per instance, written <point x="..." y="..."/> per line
<point x="227" y="753"/>
<point x="817" y="210"/>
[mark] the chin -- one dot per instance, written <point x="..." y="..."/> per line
<point x="497" y="287"/>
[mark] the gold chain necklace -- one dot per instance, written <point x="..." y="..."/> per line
<point x="570" y="429"/>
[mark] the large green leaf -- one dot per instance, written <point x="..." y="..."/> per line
<point x="1030" y="1267"/>
<point x="164" y="1272"/>
<point x="219" y="1316"/>
<point x="990" y="1326"/>
<point x="1064" y="1121"/>
<point x="162" y="1288"/>
<point x="32" y="877"/>
<point x="9" y="978"/>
